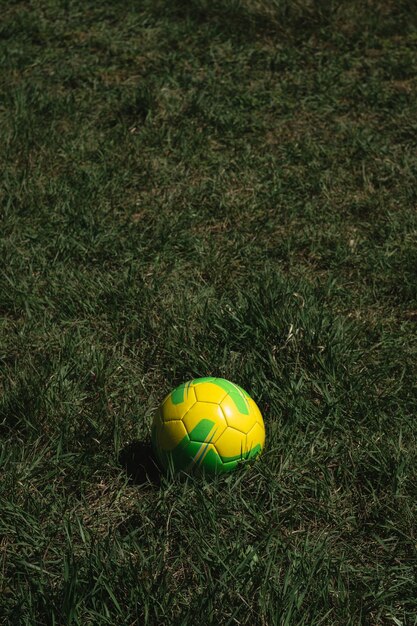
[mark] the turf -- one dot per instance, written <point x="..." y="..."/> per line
<point x="204" y="188"/>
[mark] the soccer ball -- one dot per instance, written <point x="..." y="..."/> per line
<point x="207" y="423"/>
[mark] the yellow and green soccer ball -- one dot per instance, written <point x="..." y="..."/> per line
<point x="209" y="424"/>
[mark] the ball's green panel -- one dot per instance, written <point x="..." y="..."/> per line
<point x="250" y="454"/>
<point x="245" y="393"/>
<point x="181" y="393"/>
<point x="213" y="464"/>
<point x="207" y="379"/>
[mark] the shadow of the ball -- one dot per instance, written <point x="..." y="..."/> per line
<point x="139" y="463"/>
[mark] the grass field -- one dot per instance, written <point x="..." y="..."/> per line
<point x="211" y="187"/>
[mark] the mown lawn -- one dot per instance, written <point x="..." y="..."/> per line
<point x="211" y="187"/>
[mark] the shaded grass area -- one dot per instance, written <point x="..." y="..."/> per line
<point x="223" y="188"/>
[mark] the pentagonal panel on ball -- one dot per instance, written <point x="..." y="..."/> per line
<point x="256" y="438"/>
<point x="208" y="391"/>
<point x="204" y="422"/>
<point x="235" y="417"/>
<point x="231" y="445"/>
<point x="254" y="409"/>
<point x="178" y="403"/>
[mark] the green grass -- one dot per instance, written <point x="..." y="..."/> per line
<point x="206" y="188"/>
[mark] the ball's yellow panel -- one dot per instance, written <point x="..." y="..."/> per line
<point x="171" y="434"/>
<point x="256" y="437"/>
<point x="209" y="392"/>
<point x="231" y="445"/>
<point x="204" y="422"/>
<point x="175" y="405"/>
<point x="235" y="418"/>
<point x="253" y="407"/>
